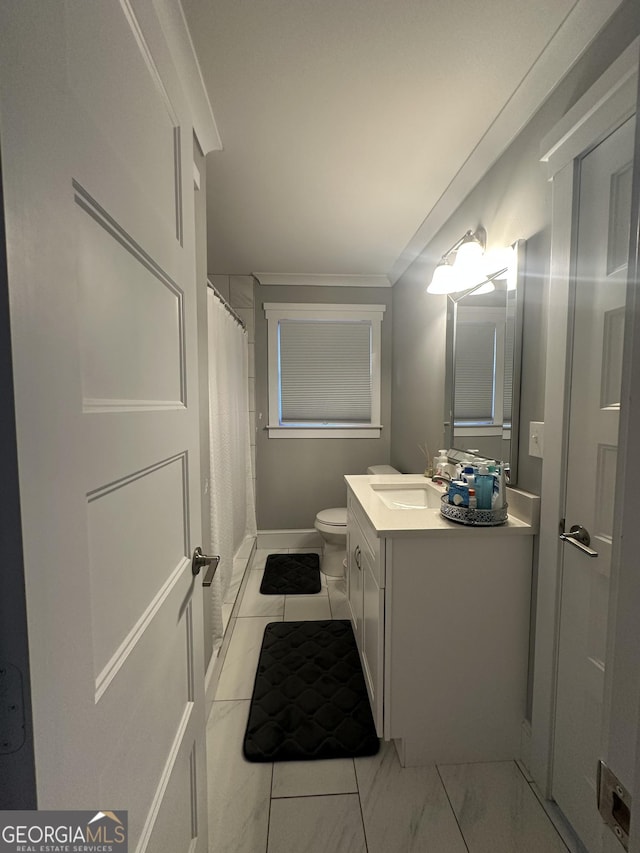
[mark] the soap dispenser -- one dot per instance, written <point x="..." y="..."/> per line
<point x="440" y="463"/>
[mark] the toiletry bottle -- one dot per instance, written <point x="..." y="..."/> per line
<point x="468" y="475"/>
<point x="458" y="493"/>
<point x="473" y="501"/>
<point x="499" y="496"/>
<point x="492" y="468"/>
<point x="503" y="486"/>
<point x="484" y="487"/>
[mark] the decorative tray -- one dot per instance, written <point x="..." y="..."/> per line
<point x="473" y="517"/>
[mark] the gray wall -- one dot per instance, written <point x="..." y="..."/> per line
<point x="512" y="201"/>
<point x="296" y="477"/>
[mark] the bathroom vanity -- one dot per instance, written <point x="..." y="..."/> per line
<point x="441" y="617"/>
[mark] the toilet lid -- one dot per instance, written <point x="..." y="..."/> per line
<point x="336" y="516"/>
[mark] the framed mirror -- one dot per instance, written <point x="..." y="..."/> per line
<point x="483" y="361"/>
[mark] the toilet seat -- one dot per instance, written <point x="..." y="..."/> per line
<point x="335" y="517"/>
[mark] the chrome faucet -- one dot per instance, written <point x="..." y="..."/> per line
<point x="441" y="478"/>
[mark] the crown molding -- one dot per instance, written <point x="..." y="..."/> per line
<point x="176" y="32"/>
<point x="319" y="280"/>
<point x="610" y="101"/>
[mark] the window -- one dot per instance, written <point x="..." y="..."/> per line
<point x="324" y="370"/>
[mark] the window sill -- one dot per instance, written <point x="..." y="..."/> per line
<point x="324" y="432"/>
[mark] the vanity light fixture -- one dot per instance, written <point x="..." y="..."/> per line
<point x="471" y="271"/>
<point x="463" y="272"/>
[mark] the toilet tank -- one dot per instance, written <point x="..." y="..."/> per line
<point x="382" y="469"/>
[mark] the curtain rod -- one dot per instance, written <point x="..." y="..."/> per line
<point x="235" y="316"/>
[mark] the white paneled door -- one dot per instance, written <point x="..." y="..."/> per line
<point x="601" y="273"/>
<point x="96" y="156"/>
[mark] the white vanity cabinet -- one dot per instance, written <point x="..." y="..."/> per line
<point x="441" y="617"/>
<point x="365" y="587"/>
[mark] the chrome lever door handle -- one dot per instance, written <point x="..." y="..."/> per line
<point x="579" y="537"/>
<point x="201" y="561"/>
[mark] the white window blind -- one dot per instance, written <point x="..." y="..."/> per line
<point x="325" y="372"/>
<point x="474" y="372"/>
<point x="509" y="354"/>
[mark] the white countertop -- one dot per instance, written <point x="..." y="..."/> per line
<point x="523" y="510"/>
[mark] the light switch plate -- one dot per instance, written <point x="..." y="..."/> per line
<point x="536" y="438"/>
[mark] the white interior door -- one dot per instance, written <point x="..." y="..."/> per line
<point x="96" y="147"/>
<point x="601" y="272"/>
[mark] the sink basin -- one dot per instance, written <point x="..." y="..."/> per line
<point x="416" y="496"/>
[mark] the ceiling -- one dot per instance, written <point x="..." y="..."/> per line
<point x="350" y="127"/>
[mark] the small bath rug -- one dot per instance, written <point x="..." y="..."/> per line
<point x="291" y="574"/>
<point x="309" y="697"/>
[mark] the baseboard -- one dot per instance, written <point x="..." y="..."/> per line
<point x="561" y="824"/>
<point x="525" y="750"/>
<point x="289" y="539"/>
<point x="211" y="679"/>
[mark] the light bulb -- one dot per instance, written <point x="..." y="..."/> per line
<point x="468" y="255"/>
<point x="444" y="279"/>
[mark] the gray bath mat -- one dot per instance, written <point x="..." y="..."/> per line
<point x="291" y="574"/>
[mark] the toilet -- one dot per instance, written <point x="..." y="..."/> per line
<point x="331" y="524"/>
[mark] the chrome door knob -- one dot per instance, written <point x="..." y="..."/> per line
<point x="202" y="561"/>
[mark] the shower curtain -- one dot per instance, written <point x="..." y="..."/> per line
<point x="232" y="507"/>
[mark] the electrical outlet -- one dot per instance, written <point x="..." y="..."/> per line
<point x="536" y="438"/>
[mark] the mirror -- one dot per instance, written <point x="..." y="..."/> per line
<point x="483" y="358"/>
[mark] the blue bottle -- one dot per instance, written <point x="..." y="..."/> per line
<point x="484" y="488"/>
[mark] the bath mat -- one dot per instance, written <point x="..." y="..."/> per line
<point x="291" y="574"/>
<point x="309" y="697"/>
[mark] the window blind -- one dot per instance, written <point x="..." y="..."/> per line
<point x="325" y="372"/>
<point x="508" y="370"/>
<point x="474" y="372"/>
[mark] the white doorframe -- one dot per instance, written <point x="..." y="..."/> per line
<point x="610" y="101"/>
<point x="623" y="711"/>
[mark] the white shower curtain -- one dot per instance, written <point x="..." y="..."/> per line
<point x="232" y="508"/>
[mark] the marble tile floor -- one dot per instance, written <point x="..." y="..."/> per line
<point x="362" y="805"/>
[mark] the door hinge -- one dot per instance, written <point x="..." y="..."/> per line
<point x="12" y="730"/>
<point x="614" y="804"/>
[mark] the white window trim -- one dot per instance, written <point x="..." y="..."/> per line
<point x="276" y="311"/>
